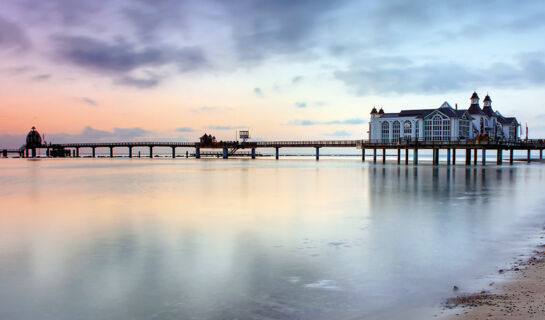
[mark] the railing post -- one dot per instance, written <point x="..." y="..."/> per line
<point x="111" y="152"/>
<point x="511" y="160"/>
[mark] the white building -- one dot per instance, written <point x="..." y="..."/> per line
<point x="443" y="123"/>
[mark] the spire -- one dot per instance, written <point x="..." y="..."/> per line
<point x="487" y="102"/>
<point x="374" y="111"/>
<point x="381" y="111"/>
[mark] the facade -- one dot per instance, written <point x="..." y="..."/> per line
<point x="443" y="124"/>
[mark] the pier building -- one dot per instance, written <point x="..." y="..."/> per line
<point x="443" y="124"/>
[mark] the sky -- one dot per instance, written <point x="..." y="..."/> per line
<point x="171" y="70"/>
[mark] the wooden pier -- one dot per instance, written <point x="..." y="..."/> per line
<point x="472" y="148"/>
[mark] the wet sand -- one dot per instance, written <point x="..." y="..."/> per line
<point x="522" y="296"/>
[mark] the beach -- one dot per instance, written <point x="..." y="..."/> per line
<point x="521" y="296"/>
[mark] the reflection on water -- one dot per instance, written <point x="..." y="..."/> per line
<point x="263" y="239"/>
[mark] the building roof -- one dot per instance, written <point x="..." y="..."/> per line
<point x="489" y="112"/>
<point x="506" y="120"/>
<point x="475" y="109"/>
<point x="374" y="110"/>
<point x="474" y="95"/>
<point x="487" y="98"/>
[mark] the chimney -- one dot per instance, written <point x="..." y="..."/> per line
<point x="455" y="106"/>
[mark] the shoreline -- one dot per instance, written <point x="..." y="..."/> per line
<point x="520" y="294"/>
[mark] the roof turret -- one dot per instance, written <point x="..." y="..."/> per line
<point x="381" y="111"/>
<point x="374" y="111"/>
<point x="33" y="138"/>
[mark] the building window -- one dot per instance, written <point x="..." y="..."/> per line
<point x="397" y="129"/>
<point x="513" y="131"/>
<point x="417" y="129"/>
<point x="407" y="129"/>
<point x="464" y="128"/>
<point x="437" y="128"/>
<point x="385" y="131"/>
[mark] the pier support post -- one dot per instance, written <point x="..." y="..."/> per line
<point x="529" y="156"/>
<point x="453" y="156"/>
<point x="225" y="153"/>
<point x="277" y="151"/>
<point x="197" y="153"/>
<point x="406" y="156"/>
<point x="468" y="157"/>
<point x="173" y="152"/>
<point x="253" y="153"/>
<point x="94" y="152"/>
<point x="398" y="156"/>
<point x="4" y="153"/>
<point x="111" y="152"/>
<point x="130" y="152"/>
<point x="448" y="156"/>
<point x="77" y="152"/>
<point x="540" y="154"/>
<point x="383" y="155"/>
<point x="150" y="152"/>
<point x="415" y="156"/>
<point x="374" y="155"/>
<point x="362" y="155"/>
<point x="436" y="157"/>
<point x="186" y="154"/>
<point x="475" y="156"/>
<point x="511" y="160"/>
<point x="499" y="156"/>
<point x="317" y="153"/>
<point x="483" y="155"/>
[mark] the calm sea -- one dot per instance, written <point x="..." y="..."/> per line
<point x="255" y="239"/>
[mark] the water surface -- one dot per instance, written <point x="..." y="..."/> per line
<point x="262" y="239"/>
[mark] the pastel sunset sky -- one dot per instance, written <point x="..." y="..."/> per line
<point x="83" y="70"/>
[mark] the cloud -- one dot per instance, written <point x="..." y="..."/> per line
<point x="89" y="101"/>
<point x="121" y="58"/>
<point x="301" y="104"/>
<point x="12" y="36"/>
<point x="258" y="92"/>
<point x="297" y="79"/>
<point x="350" y="121"/>
<point x="338" y="133"/>
<point x="204" y="109"/>
<point x="184" y="129"/>
<point x="226" y="127"/>
<point x="41" y="77"/>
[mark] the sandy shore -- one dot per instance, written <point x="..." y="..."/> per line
<point x="521" y="297"/>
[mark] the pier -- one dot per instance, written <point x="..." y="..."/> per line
<point x="475" y="151"/>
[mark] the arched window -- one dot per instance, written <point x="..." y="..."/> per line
<point x="407" y="129"/>
<point x="385" y="131"/>
<point x="464" y="128"/>
<point x="437" y="127"/>
<point x="397" y="130"/>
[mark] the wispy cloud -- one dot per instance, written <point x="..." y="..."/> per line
<point x="41" y="77"/>
<point x="204" y="109"/>
<point x="258" y="92"/>
<point x="338" y="133"/>
<point x="184" y="129"/>
<point x="350" y="121"/>
<point x="89" y="101"/>
<point x="301" y="104"/>
<point x="215" y="127"/>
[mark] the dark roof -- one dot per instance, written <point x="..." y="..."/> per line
<point x="506" y="120"/>
<point x="474" y="95"/>
<point x="489" y="112"/>
<point x="389" y="115"/>
<point x="381" y="111"/>
<point x="475" y="109"/>
<point x="419" y="113"/>
<point x="460" y="112"/>
<point x="374" y="110"/>
<point x="487" y="98"/>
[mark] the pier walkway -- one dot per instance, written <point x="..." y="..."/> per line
<point x="229" y="148"/>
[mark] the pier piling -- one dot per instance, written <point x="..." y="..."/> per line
<point x="398" y="156"/>
<point x="197" y="153"/>
<point x="383" y="155"/>
<point x="317" y="153"/>
<point x="406" y="156"/>
<point x="453" y="156"/>
<point x="374" y="155"/>
<point x="362" y="155"/>
<point x="173" y="152"/>
<point x="277" y="151"/>
<point x="448" y="156"/>
<point x="475" y="156"/>
<point x="253" y="153"/>
<point x="151" y="152"/>
<point x="483" y="154"/>
<point x="415" y="156"/>
<point x="529" y="156"/>
<point x="94" y="151"/>
<point x="225" y="153"/>
<point x="111" y="152"/>
<point x="511" y="156"/>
